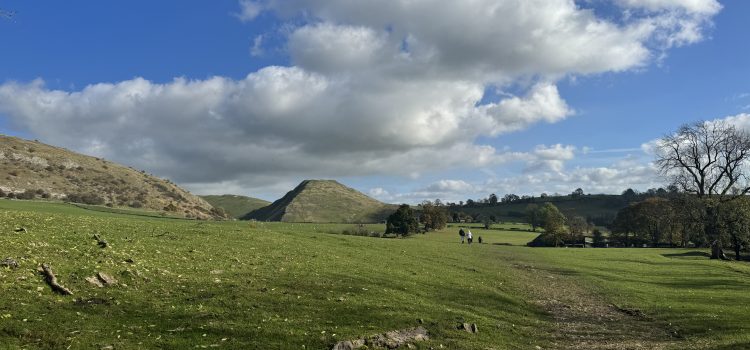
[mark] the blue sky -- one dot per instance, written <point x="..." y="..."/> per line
<point x="402" y="102"/>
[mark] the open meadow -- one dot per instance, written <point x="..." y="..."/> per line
<point x="252" y="285"/>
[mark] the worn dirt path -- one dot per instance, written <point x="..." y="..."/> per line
<point x="584" y="320"/>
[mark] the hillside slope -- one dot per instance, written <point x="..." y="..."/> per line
<point x="236" y="206"/>
<point x="323" y="201"/>
<point x="600" y="208"/>
<point x="55" y="173"/>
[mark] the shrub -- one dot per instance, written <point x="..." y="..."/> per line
<point x="28" y="194"/>
<point x="402" y="221"/>
<point x="170" y="207"/>
<point x="85" y="198"/>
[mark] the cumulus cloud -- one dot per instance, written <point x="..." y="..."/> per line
<point x="550" y="158"/>
<point x="373" y="88"/>
<point x="249" y="10"/>
<point x="703" y="7"/>
<point x="633" y="171"/>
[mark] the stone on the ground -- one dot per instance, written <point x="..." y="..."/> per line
<point x="95" y="281"/>
<point x="106" y="279"/>
<point x="389" y="340"/>
<point x="471" y="328"/>
<point x="9" y="263"/>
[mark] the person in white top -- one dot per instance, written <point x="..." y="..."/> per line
<point x="468" y="236"/>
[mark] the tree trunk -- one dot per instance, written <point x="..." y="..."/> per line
<point x="717" y="252"/>
<point x="737" y="253"/>
<point x="737" y="247"/>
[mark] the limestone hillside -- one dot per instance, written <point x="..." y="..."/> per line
<point x="324" y="201"/>
<point x="234" y="205"/>
<point x="33" y="170"/>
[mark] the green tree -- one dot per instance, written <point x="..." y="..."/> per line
<point x="709" y="160"/>
<point x="735" y="225"/>
<point x="553" y="222"/>
<point x="598" y="239"/>
<point x="433" y="217"/>
<point x="578" y="227"/>
<point x="487" y="222"/>
<point x="402" y="221"/>
<point x="493" y="199"/>
<point x="533" y="216"/>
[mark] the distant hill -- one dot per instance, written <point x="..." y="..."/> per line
<point x="323" y="201"/>
<point x="236" y="206"/>
<point x="31" y="169"/>
<point x="599" y="208"/>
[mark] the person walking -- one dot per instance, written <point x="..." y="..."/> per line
<point x="462" y="234"/>
<point x="468" y="236"/>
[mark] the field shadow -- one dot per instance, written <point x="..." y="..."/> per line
<point x="691" y="254"/>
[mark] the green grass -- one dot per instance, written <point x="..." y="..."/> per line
<point x="281" y="285"/>
<point x="323" y="201"/>
<point x="235" y="206"/>
<point x="596" y="206"/>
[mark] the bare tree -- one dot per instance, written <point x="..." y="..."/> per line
<point x="708" y="160"/>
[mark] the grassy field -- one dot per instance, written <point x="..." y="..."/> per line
<point x="235" y="206"/>
<point x="234" y="285"/>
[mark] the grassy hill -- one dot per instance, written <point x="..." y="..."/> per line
<point x="31" y="169"/>
<point x="236" y="206"/>
<point x="241" y="285"/>
<point x="601" y="208"/>
<point x="323" y="201"/>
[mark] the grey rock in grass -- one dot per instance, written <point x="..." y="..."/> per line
<point x="106" y="279"/>
<point x="349" y="344"/>
<point x="95" y="281"/>
<point x="389" y="340"/>
<point x="9" y="263"/>
<point x="471" y="328"/>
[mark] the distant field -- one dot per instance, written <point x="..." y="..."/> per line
<point x="236" y="206"/>
<point x="275" y="285"/>
<point x="597" y="207"/>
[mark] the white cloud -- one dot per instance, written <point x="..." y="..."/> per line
<point x="257" y="48"/>
<point x="249" y="10"/>
<point x="450" y="186"/>
<point x="550" y="158"/>
<point x="374" y="88"/>
<point x="702" y="7"/>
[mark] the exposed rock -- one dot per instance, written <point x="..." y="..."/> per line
<point x="95" y="281"/>
<point x="389" y="340"/>
<point x="9" y="263"/>
<point x="101" y="241"/>
<point x="349" y="345"/>
<point x="471" y="328"/>
<point x="51" y="280"/>
<point x="106" y="279"/>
